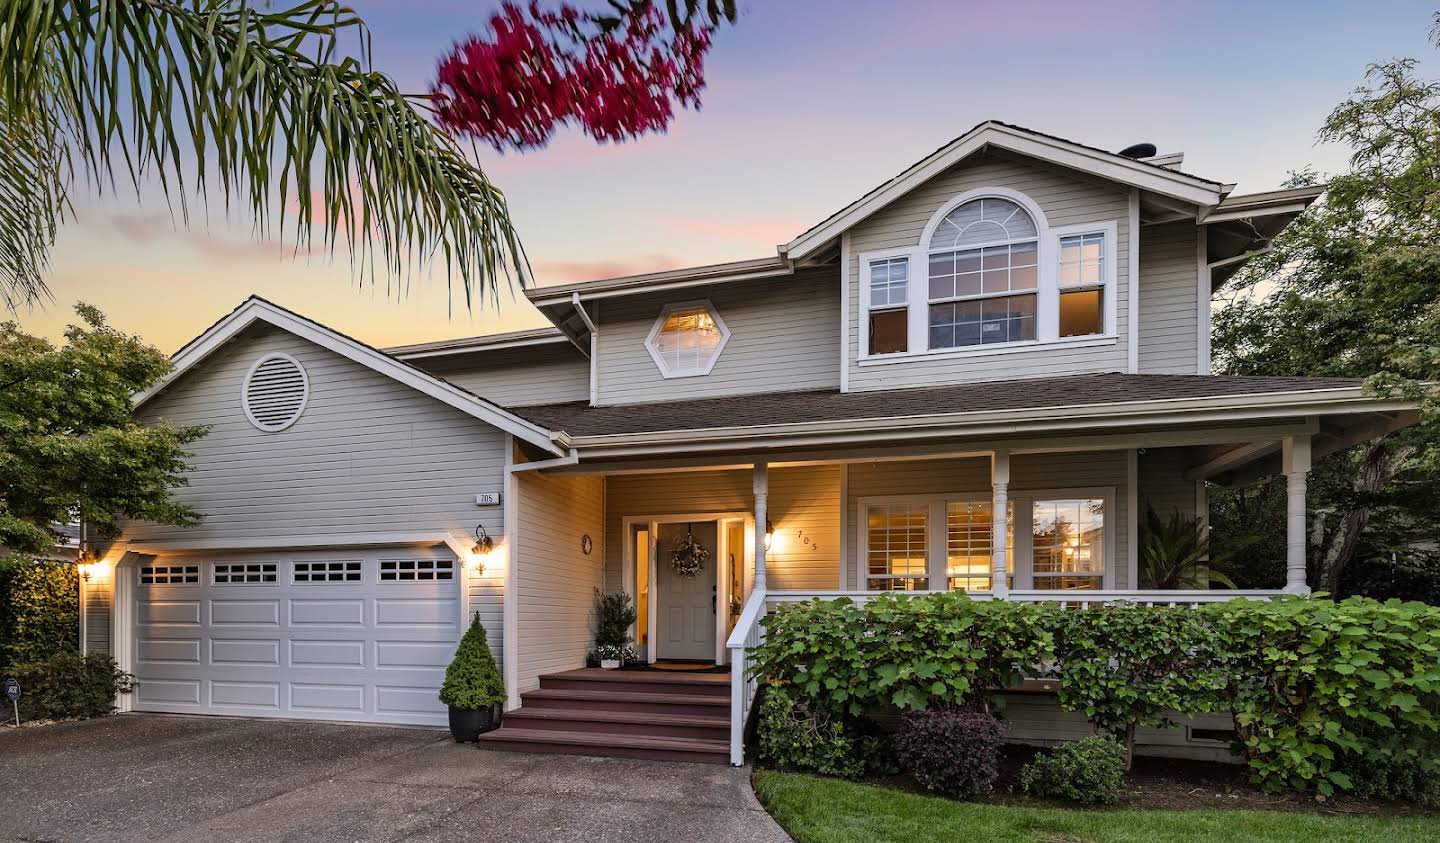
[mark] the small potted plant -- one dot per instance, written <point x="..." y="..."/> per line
<point x="473" y="689"/>
<point x="614" y="616"/>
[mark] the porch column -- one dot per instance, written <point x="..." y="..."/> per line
<point x="762" y="491"/>
<point x="1295" y="457"/>
<point x="999" y="485"/>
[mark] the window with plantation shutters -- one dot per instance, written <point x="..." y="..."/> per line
<point x="275" y="392"/>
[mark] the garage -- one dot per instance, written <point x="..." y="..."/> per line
<point x="352" y="634"/>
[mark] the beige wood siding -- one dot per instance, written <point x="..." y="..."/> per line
<point x="554" y="373"/>
<point x="1169" y="310"/>
<point x="555" y="580"/>
<point x="804" y="503"/>
<point x="1038" y="720"/>
<point x="1163" y="484"/>
<point x="99" y="593"/>
<point x="783" y="336"/>
<point x="1066" y="198"/>
<point x="368" y="457"/>
<point x="970" y="476"/>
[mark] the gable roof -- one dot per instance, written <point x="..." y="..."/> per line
<point x="256" y="309"/>
<point x="485" y="342"/>
<point x="1156" y="178"/>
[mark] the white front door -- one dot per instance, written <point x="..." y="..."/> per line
<point x="685" y="606"/>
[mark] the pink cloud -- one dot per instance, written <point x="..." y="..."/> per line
<point x="145" y="229"/>
<point x="559" y="272"/>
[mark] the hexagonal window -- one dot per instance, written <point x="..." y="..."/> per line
<point x="687" y="339"/>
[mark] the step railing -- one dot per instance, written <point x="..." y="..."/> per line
<point x="749" y="632"/>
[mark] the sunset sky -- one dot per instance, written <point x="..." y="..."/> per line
<point x="810" y="103"/>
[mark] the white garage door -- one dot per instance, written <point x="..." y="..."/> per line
<point x="339" y="635"/>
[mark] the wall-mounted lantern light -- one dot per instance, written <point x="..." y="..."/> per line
<point x="769" y="533"/>
<point x="483" y="543"/>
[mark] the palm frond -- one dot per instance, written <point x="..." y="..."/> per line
<point x="263" y="104"/>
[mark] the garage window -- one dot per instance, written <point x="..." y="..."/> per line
<point x="169" y="574"/>
<point x="327" y="572"/>
<point x="413" y="570"/>
<point x="244" y="573"/>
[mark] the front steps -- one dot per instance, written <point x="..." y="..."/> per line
<point x="622" y="714"/>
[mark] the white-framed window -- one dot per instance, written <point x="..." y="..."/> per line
<point x="989" y="275"/>
<point x="242" y="573"/>
<point x="169" y="574"/>
<point x="687" y="339"/>
<point x="888" y="294"/>
<point x="1067" y="543"/>
<point x="350" y="570"/>
<point x="897" y="556"/>
<point x="1055" y="539"/>
<point x="416" y="570"/>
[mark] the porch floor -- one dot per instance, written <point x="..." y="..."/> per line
<point x="664" y="715"/>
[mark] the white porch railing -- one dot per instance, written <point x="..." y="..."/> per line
<point x="749" y="633"/>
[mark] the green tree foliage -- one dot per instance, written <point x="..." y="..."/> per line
<point x="1352" y="289"/>
<point x="473" y="681"/>
<point x="1175" y="553"/>
<point x="69" y="443"/>
<point x="39" y="609"/>
<point x="263" y="103"/>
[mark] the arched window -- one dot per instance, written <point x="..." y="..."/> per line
<point x="983" y="275"/>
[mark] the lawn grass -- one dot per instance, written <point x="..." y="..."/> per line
<point x="819" y="810"/>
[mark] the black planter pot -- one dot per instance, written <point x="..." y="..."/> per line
<point x="468" y="724"/>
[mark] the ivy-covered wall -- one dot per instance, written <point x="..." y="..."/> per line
<point x="39" y="609"/>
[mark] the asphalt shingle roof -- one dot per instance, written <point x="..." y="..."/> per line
<point x="580" y="419"/>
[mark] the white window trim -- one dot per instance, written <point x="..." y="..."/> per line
<point x="654" y="334"/>
<point x="1023" y="499"/>
<point x="1047" y="291"/>
<point x="936" y="541"/>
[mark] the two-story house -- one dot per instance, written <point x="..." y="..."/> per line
<point x="976" y="376"/>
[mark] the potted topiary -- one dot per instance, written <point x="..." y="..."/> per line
<point x="614" y="615"/>
<point x="473" y="689"/>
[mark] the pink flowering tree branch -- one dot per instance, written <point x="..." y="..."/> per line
<point x="617" y="74"/>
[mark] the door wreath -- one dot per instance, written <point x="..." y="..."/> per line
<point x="689" y="556"/>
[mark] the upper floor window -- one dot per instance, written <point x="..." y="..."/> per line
<point x="984" y="273"/>
<point x="687" y="338"/>
<point x="989" y="274"/>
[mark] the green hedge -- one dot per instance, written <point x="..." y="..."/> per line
<point x="39" y="609"/>
<point x="1313" y="685"/>
<point x="65" y="684"/>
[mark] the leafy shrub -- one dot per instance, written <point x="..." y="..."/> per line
<point x="952" y="752"/>
<point x="1126" y="666"/>
<point x="66" y="684"/>
<point x="1090" y="770"/>
<point x="473" y="681"/>
<point x="1308" y="681"/>
<point x="794" y="735"/>
<point x="910" y="652"/>
<point x="1396" y="772"/>
<point x="39" y="609"/>
<point x="614" y="616"/>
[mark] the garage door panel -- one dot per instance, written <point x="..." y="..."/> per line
<point x="416" y="612"/>
<point x="168" y="651"/>
<point x="170" y="612"/>
<point x="370" y="649"/>
<point x="317" y="612"/>
<point x="232" y="612"/>
<point x="327" y="653"/>
<point x="245" y="651"/>
<point x="249" y="694"/>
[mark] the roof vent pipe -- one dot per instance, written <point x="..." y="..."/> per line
<point x="1139" y="150"/>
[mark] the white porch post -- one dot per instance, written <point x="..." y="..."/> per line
<point x="1295" y="455"/>
<point x="999" y="485"/>
<point x="762" y="492"/>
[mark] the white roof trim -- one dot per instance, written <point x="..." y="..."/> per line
<point x="1186" y="188"/>
<point x="256" y="309"/>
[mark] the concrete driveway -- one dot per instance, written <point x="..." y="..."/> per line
<point x="162" y="777"/>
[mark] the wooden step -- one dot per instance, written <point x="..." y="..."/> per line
<point x="646" y="682"/>
<point x="604" y="744"/>
<point x="591" y="700"/>
<point x="623" y="721"/>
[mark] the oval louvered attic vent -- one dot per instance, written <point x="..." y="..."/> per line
<point x="275" y="392"/>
